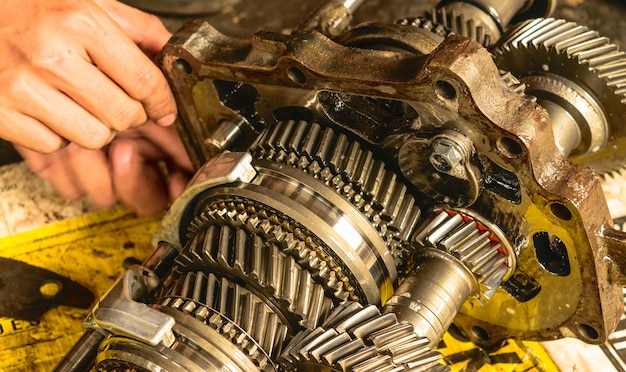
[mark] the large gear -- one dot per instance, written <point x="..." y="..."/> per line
<point x="554" y="57"/>
<point x="292" y="240"/>
<point x="351" y="170"/>
<point x="360" y="339"/>
<point x="236" y="313"/>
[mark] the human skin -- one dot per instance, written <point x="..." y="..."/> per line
<point x="85" y="105"/>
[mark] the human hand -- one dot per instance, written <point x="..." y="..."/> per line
<point x="78" y="71"/>
<point x="129" y="170"/>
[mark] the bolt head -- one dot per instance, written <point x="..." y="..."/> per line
<point x="445" y="155"/>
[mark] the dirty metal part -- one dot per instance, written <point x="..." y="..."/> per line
<point x="530" y="190"/>
<point x="357" y="338"/>
<point x="38" y="291"/>
<point x="459" y="256"/>
<point x="486" y="20"/>
<point x="578" y="76"/>
<point x="324" y="177"/>
<point x="443" y="167"/>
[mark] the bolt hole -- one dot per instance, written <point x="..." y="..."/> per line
<point x="50" y="288"/>
<point x="457" y="333"/>
<point x="296" y="75"/>
<point x="509" y="147"/>
<point x="183" y="66"/>
<point x="588" y="332"/>
<point x="445" y="89"/>
<point x="480" y="333"/>
<point x="561" y="211"/>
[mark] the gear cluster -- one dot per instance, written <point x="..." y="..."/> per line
<point x="364" y="188"/>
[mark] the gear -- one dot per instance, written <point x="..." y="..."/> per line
<point x="301" y="297"/>
<point x="349" y="169"/>
<point x="458" y="24"/>
<point x="291" y="239"/>
<point x="563" y="59"/>
<point x="482" y="247"/>
<point x="360" y="339"/>
<point x="233" y="311"/>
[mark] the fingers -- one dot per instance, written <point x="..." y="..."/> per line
<point x="74" y="173"/>
<point x="137" y="182"/>
<point x="168" y="140"/>
<point x="134" y="72"/>
<point x="40" y="138"/>
<point x="54" y="169"/>
<point x="91" y="174"/>
<point x="145" y="30"/>
<point x="63" y="117"/>
<point x="70" y="67"/>
<point x="112" y="108"/>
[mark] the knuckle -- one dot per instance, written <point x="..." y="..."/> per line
<point x="148" y="83"/>
<point x="128" y="116"/>
<point x="98" y="139"/>
<point x="16" y="83"/>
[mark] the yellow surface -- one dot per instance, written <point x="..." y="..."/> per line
<point x="90" y="250"/>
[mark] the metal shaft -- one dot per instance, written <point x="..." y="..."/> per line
<point x="83" y="354"/>
<point x="431" y="296"/>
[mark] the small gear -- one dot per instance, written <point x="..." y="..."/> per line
<point x="482" y="247"/>
<point x="428" y="25"/>
<point x="588" y="68"/>
<point x="360" y="339"/>
<point x="458" y="24"/>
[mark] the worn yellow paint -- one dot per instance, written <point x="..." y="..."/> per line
<point x="513" y="356"/>
<point x="91" y="249"/>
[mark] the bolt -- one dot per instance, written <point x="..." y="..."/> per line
<point x="446" y="155"/>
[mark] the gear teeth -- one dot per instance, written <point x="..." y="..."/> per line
<point x="236" y="313"/>
<point x="426" y="24"/>
<point x="356" y="338"/>
<point x="290" y="239"/>
<point x="480" y="248"/>
<point x="263" y="266"/>
<point x="352" y="171"/>
<point x="514" y="85"/>
<point x="457" y="24"/>
<point x="581" y="55"/>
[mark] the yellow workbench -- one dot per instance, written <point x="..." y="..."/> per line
<point x="90" y="250"/>
<point x="89" y="247"/>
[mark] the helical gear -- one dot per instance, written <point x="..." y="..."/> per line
<point x="301" y="297"/>
<point x="236" y="313"/>
<point x="360" y="339"/>
<point x="351" y="170"/>
<point x="590" y="63"/>
<point x="291" y="239"/>
<point x="482" y="247"/>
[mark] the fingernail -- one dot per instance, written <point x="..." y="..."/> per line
<point x="167" y="120"/>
